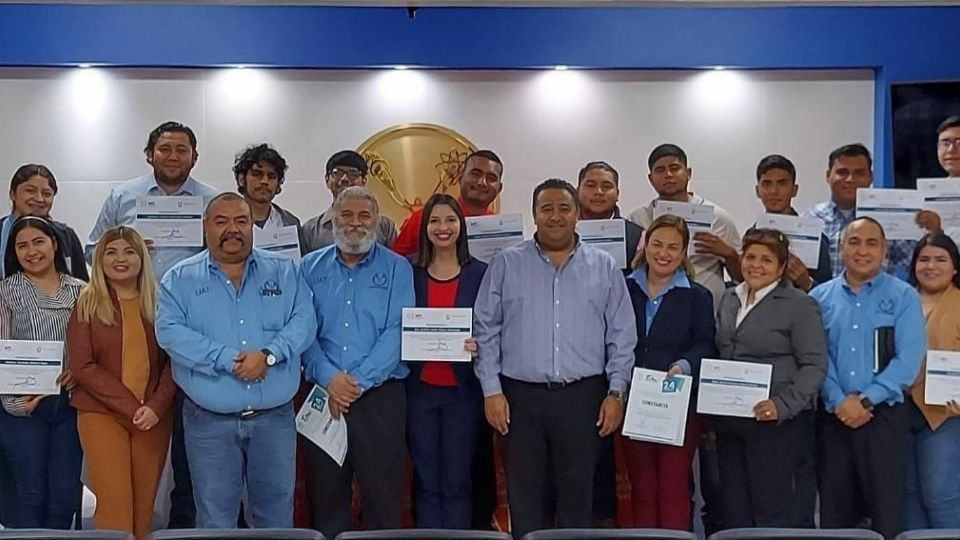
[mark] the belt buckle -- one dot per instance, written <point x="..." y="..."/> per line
<point x="555" y="385"/>
<point x="248" y="414"/>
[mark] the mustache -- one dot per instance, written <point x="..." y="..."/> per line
<point x="230" y="236"/>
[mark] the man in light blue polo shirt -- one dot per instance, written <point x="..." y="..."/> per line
<point x="876" y="339"/>
<point x="235" y="321"/>
<point x="172" y="152"/>
<point x="359" y="290"/>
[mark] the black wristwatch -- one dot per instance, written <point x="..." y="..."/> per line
<point x="271" y="358"/>
<point x="867" y="404"/>
<point x="618" y="395"/>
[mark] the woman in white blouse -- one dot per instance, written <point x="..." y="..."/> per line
<point x="39" y="433"/>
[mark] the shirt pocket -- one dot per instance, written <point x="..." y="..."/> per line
<point x="273" y="313"/>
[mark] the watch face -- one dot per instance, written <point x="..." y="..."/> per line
<point x="271" y="360"/>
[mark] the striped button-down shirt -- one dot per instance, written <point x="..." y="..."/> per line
<point x="30" y="314"/>
<point x="538" y="323"/>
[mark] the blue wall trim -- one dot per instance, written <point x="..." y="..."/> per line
<point x="903" y="44"/>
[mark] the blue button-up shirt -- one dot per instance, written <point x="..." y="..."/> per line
<point x="537" y="323"/>
<point x="120" y="208"/>
<point x="359" y="314"/>
<point x="204" y="322"/>
<point x="852" y="319"/>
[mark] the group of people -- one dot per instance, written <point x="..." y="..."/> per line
<point x="202" y="351"/>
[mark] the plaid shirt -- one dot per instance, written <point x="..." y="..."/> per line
<point x="899" y="252"/>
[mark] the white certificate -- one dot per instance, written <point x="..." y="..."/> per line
<point x="699" y="217"/>
<point x="729" y="388"/>
<point x="804" y="235"/>
<point x="436" y="334"/>
<point x="171" y="221"/>
<point x="942" y="195"/>
<point x="606" y="234"/>
<point x="895" y="210"/>
<point x="657" y="408"/>
<point x="487" y="235"/>
<point x="282" y="240"/>
<point x="943" y="377"/>
<point x="30" y="367"/>
<point x="315" y="422"/>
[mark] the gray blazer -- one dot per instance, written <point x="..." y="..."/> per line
<point x="784" y="330"/>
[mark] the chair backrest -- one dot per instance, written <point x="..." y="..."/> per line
<point x="50" y="534"/>
<point x="608" y="534"/>
<point x="423" y="534"/>
<point x="796" y="534"/>
<point x="930" y="534"/>
<point x="262" y="534"/>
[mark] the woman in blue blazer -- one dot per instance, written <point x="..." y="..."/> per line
<point x="675" y="330"/>
<point x="444" y="399"/>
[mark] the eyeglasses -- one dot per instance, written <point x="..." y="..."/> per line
<point x="947" y="144"/>
<point x="340" y="174"/>
<point x="759" y="234"/>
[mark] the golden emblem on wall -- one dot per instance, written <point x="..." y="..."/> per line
<point x="410" y="162"/>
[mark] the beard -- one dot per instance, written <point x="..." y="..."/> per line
<point x="351" y="246"/>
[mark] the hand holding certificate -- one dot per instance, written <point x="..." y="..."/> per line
<point x="171" y="221"/>
<point x="943" y="377"/>
<point x="436" y="334"/>
<point x="895" y="210"/>
<point x="729" y="388"/>
<point x="657" y="407"/>
<point x="30" y="367"/>
<point x="804" y="235"/>
<point x="699" y="217"/>
<point x="315" y="422"/>
<point x="942" y="195"/>
<point x="606" y="234"/>
<point x="488" y="235"/>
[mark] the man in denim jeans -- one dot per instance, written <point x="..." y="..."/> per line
<point x="235" y="321"/>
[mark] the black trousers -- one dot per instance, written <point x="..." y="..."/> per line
<point x="376" y="454"/>
<point x="551" y="451"/>
<point x="862" y="471"/>
<point x="759" y="466"/>
<point x="183" y="512"/>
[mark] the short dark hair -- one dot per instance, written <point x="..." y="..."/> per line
<point x="555" y="183"/>
<point x="486" y="154"/>
<point x="11" y="262"/>
<point x="776" y="162"/>
<point x="169" y="127"/>
<point x="224" y="196"/>
<point x="255" y="154"/>
<point x="951" y="122"/>
<point x="850" y="150"/>
<point x="347" y="158"/>
<point x="868" y="219"/>
<point x="425" y="257"/>
<point x="598" y="166"/>
<point x="940" y="240"/>
<point x="28" y="171"/>
<point x="665" y="150"/>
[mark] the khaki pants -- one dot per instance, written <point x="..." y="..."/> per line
<point x="124" y="469"/>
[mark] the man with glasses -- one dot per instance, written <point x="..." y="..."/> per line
<point x="948" y="154"/>
<point x="345" y="169"/>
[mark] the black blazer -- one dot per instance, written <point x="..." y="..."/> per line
<point x="471" y="274"/>
<point x="683" y="328"/>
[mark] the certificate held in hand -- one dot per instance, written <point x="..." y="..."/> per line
<point x="436" y="334"/>
<point x="729" y="388"/>
<point x="30" y="367"/>
<point x="657" y="407"/>
<point x="171" y="221"/>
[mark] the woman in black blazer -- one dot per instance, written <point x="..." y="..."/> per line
<point x="675" y="330"/>
<point x="444" y="399"/>
<point x="767" y="321"/>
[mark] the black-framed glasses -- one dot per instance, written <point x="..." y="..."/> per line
<point x="340" y="174"/>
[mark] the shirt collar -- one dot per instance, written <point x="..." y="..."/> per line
<point x="188" y="187"/>
<point x="367" y="258"/>
<point x="743" y="290"/>
<point x="251" y="260"/>
<point x="680" y="280"/>
<point x="868" y="284"/>
<point x="536" y="245"/>
<point x="327" y="217"/>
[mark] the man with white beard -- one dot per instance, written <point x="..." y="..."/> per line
<point x="359" y="290"/>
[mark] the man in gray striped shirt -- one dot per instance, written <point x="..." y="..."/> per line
<point x="556" y="333"/>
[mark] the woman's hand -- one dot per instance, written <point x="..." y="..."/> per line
<point x="470" y="345"/>
<point x="953" y="408"/>
<point x="66" y="380"/>
<point x="766" y="411"/>
<point x="144" y="419"/>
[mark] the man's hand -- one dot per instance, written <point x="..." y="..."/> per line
<point x="766" y="411"/>
<point x="852" y="413"/>
<point x="929" y="221"/>
<point x="336" y="410"/>
<point x="674" y="371"/>
<point x="497" y="411"/>
<point x="953" y="408"/>
<point x="611" y="415"/>
<point x="144" y="419"/>
<point x="711" y="244"/>
<point x="250" y="366"/>
<point x="66" y="380"/>
<point x="344" y="390"/>
<point x="470" y="345"/>
<point x="798" y="274"/>
<point x="32" y="404"/>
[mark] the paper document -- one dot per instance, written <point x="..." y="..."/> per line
<point x="895" y="210"/>
<point x="316" y="424"/>
<point x="171" y="221"/>
<point x="729" y="388"/>
<point x="657" y="407"/>
<point x="942" y="195"/>
<point x="804" y="235"/>
<point x="943" y="377"/>
<point x="282" y="240"/>
<point x="606" y="234"/>
<point x="699" y="217"/>
<point x="436" y="334"/>
<point x="30" y="367"/>
<point x="487" y="235"/>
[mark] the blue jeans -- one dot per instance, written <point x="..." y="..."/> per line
<point x="228" y="453"/>
<point x="45" y="459"/>
<point x="443" y="424"/>
<point x="933" y="478"/>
